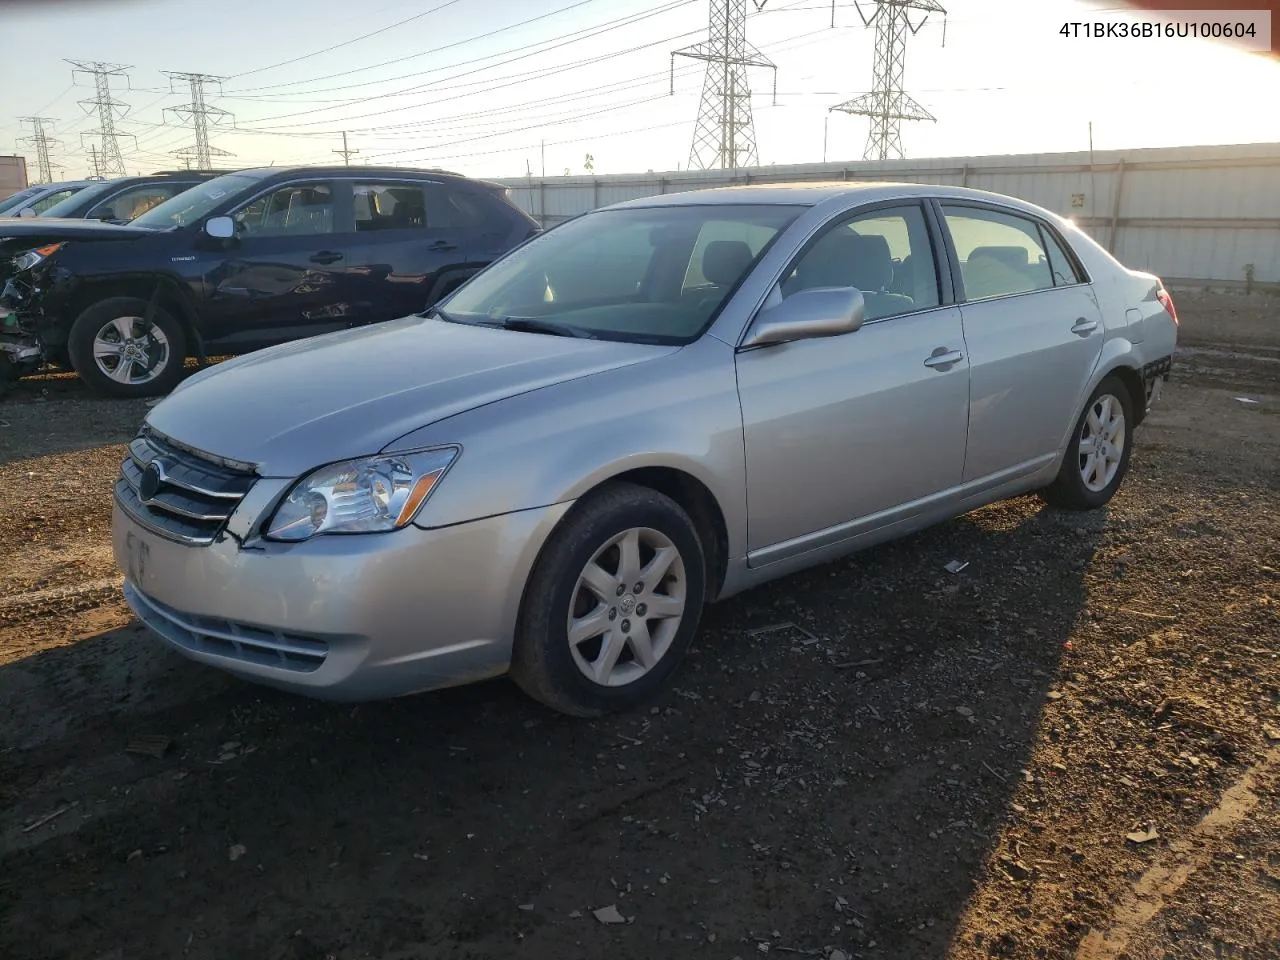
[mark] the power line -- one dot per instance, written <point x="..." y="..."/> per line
<point x="199" y="114"/>
<point x="888" y="105"/>
<point x="415" y="56"/>
<point x="345" y="43"/>
<point x="109" y="161"/>
<point x="41" y="141"/>
<point x="418" y="88"/>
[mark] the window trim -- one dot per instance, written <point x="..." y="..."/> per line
<point x="938" y="202"/>
<point x="849" y="214"/>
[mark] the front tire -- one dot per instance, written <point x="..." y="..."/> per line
<point x="117" y="352"/>
<point x="1097" y="458"/>
<point x="612" y="604"/>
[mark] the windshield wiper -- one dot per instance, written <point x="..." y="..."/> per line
<point x="535" y="325"/>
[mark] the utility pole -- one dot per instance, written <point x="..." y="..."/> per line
<point x="544" y="159"/>
<point x="725" y="137"/>
<point x="198" y="114"/>
<point x="41" y="141"/>
<point x="887" y="104"/>
<point x="347" y="154"/>
<point x="108" y="108"/>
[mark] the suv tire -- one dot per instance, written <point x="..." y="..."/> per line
<point x="115" y="333"/>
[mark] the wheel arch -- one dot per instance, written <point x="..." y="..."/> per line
<point x="172" y="297"/>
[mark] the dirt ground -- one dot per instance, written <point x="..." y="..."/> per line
<point x="1069" y="749"/>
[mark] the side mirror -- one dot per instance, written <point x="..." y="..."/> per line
<point x="27" y="212"/>
<point x="806" y="314"/>
<point x="220" y="228"/>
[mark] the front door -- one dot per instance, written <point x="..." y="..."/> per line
<point x="408" y="248"/>
<point x="846" y="428"/>
<point x="284" y="275"/>
<point x="1034" y="334"/>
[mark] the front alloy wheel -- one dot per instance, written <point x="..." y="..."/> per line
<point x="612" y="603"/>
<point x="130" y="351"/>
<point x="627" y="607"/>
<point x="126" y="347"/>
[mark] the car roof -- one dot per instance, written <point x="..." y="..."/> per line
<point x="812" y="193"/>
<point x="356" y="172"/>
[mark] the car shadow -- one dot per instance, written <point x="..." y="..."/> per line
<point x="832" y="768"/>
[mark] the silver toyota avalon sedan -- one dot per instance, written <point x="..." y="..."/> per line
<point x="645" y="409"/>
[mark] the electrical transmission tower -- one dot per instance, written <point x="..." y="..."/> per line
<point x="109" y="109"/>
<point x="725" y="137"/>
<point x="42" y="142"/>
<point x="887" y="104"/>
<point x="198" y="114"/>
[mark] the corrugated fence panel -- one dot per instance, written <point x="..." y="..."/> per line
<point x="1193" y="213"/>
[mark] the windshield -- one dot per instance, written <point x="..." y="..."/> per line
<point x="653" y="275"/>
<point x="67" y="205"/>
<point x="15" y="202"/>
<point x="190" y="205"/>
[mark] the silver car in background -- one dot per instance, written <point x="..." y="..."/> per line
<point x="650" y="407"/>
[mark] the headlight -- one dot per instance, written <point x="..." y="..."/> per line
<point x="25" y="261"/>
<point x="370" y="495"/>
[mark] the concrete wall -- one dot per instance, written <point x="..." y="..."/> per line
<point x="13" y="175"/>
<point x="1189" y="214"/>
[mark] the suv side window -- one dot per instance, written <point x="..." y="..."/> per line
<point x="884" y="253"/>
<point x="298" y="209"/>
<point x="1000" y="253"/>
<point x="135" y="202"/>
<point x="44" y="203"/>
<point x="389" y="206"/>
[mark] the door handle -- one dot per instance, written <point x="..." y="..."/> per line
<point x="1084" y="326"/>
<point x="325" y="256"/>
<point x="442" y="245"/>
<point x="942" y="357"/>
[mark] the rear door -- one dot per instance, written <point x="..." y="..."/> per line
<point x="283" y="277"/>
<point x="1033" y="330"/>
<point x="409" y="247"/>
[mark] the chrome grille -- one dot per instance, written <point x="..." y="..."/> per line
<point x="194" y="497"/>
<point x="228" y="638"/>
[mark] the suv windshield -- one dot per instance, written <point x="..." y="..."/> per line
<point x="67" y="204"/>
<point x="649" y="274"/>
<point x="15" y="202"/>
<point x="190" y="205"/>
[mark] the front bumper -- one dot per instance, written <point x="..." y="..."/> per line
<point x="349" y="618"/>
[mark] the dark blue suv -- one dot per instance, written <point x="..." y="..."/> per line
<point x="243" y="261"/>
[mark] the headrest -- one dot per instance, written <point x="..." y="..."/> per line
<point x="1015" y="257"/>
<point x="725" y="261"/>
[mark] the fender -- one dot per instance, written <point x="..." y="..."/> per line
<point x="1118" y="354"/>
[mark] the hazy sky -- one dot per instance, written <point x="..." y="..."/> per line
<point x="435" y="91"/>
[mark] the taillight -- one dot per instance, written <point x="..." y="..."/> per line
<point x="1166" y="301"/>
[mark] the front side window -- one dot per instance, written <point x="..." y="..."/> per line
<point x="655" y="275"/>
<point x="134" y="202"/>
<point x="300" y="209"/>
<point x="1000" y="253"/>
<point x="886" y="254"/>
<point x="16" y="202"/>
<point x="44" y="203"/>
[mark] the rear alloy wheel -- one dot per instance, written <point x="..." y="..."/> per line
<point x="612" y="605"/>
<point x="1098" y="458"/>
<point x="118" y="351"/>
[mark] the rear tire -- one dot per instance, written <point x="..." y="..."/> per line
<point x="117" y="353"/>
<point x="1097" y="456"/>
<point x="612" y="604"/>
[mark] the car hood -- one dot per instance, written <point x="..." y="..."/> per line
<point x="22" y="233"/>
<point x="300" y="405"/>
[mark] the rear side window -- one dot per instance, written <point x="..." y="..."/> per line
<point x="1064" y="271"/>
<point x="389" y="206"/>
<point x="1000" y="254"/>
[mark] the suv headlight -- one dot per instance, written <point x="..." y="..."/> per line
<point x="31" y="258"/>
<point x="370" y="495"/>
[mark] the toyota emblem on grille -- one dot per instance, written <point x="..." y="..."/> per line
<point x="152" y="477"/>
